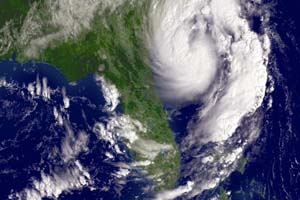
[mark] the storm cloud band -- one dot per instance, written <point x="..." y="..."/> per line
<point x="191" y="44"/>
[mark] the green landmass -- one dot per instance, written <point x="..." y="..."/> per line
<point x="13" y="13"/>
<point x="223" y="195"/>
<point x="242" y="164"/>
<point x="14" y="10"/>
<point x="114" y="48"/>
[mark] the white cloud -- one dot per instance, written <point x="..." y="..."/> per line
<point x="186" y="68"/>
<point x="72" y="145"/>
<point x="40" y="88"/>
<point x="5" y="83"/>
<point x="110" y="93"/>
<point x="119" y="127"/>
<point x="67" y="18"/>
<point x="184" y="56"/>
<point x="45" y="89"/>
<point x="126" y="128"/>
<point x="7" y="36"/>
<point x="57" y="116"/>
<point x="191" y="41"/>
<point x="102" y="133"/>
<point x="57" y="182"/>
<point x="172" y="194"/>
<point x="123" y="172"/>
<point x="30" y="89"/>
<point x="69" y="176"/>
<point x="66" y="99"/>
<point x="150" y="149"/>
<point x="142" y="163"/>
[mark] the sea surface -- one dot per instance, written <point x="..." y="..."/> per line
<point x="29" y="130"/>
<point x="34" y="145"/>
<point x="272" y="170"/>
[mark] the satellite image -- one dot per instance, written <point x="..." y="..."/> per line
<point x="149" y="100"/>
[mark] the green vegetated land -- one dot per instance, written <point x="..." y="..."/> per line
<point x="12" y="16"/>
<point x="14" y="10"/>
<point x="114" y="48"/>
<point x="223" y="195"/>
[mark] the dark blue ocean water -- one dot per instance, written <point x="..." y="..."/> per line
<point x="273" y="161"/>
<point x="273" y="168"/>
<point x="29" y="134"/>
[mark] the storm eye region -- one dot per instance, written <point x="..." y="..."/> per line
<point x="183" y="53"/>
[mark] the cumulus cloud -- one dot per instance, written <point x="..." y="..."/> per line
<point x="40" y="88"/>
<point x="72" y="145"/>
<point x="119" y="127"/>
<point x="54" y="184"/>
<point x="110" y="93"/>
<point x="5" y="83"/>
<point x="66" y="99"/>
<point x="126" y="128"/>
<point x="69" y="175"/>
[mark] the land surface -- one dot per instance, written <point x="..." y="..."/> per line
<point x="113" y="47"/>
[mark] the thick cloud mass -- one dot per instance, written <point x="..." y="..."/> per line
<point x="205" y="51"/>
<point x="184" y="55"/>
<point x="189" y="41"/>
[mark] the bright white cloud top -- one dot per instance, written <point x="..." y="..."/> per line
<point x="184" y="55"/>
<point x="205" y="51"/>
